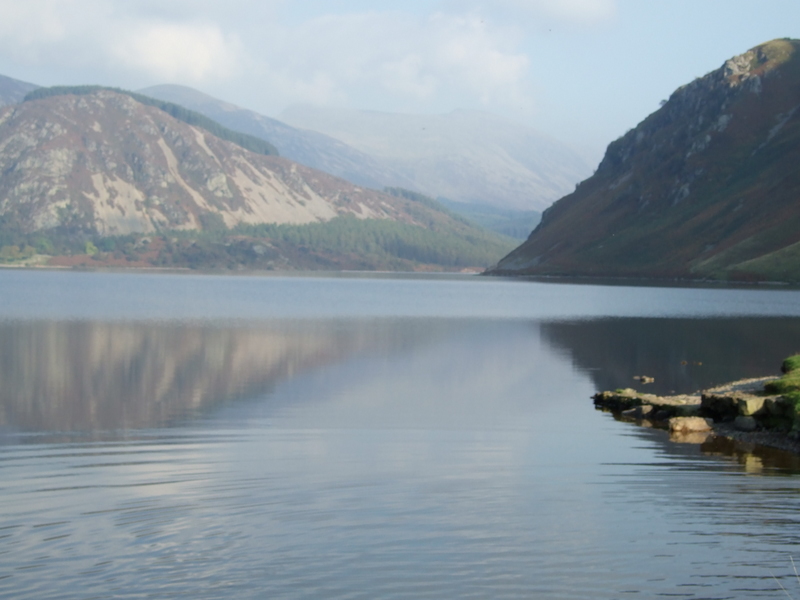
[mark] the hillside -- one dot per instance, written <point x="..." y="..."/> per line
<point x="13" y="90"/>
<point x="119" y="182"/>
<point x="705" y="187"/>
<point x="248" y="142"/>
<point x="309" y="148"/>
<point x="464" y="156"/>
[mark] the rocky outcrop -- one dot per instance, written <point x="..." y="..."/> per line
<point x="742" y="405"/>
<point x="636" y="405"/>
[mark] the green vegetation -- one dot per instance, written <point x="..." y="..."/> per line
<point x="789" y="384"/>
<point x="68" y="238"/>
<point x="342" y="243"/>
<point x="386" y="241"/>
<point x="13" y="253"/>
<point x="781" y="265"/>
<point x="248" y="142"/>
<point x="791" y="364"/>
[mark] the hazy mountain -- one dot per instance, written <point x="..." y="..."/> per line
<point x="13" y="91"/>
<point x="707" y="186"/>
<point x="310" y="148"/>
<point x="333" y="156"/>
<point x="516" y="224"/>
<point x="463" y="156"/>
<point x="104" y="164"/>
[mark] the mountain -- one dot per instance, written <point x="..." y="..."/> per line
<point x="13" y="91"/>
<point x="464" y="156"/>
<point x="79" y="169"/>
<point x="248" y="142"/>
<point x="706" y="187"/>
<point x="305" y="147"/>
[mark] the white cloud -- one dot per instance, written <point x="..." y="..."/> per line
<point x="400" y="55"/>
<point x="268" y="58"/>
<point x="468" y="50"/>
<point x="105" y="36"/>
<point x="179" y="52"/>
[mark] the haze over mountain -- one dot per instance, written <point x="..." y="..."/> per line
<point x="463" y="156"/>
<point x="309" y="148"/>
<point x="708" y="186"/>
<point x="85" y="167"/>
<point x="13" y="91"/>
<point x="333" y="156"/>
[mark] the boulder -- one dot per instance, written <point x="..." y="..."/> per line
<point x="745" y="423"/>
<point x="751" y="405"/>
<point x="689" y="424"/>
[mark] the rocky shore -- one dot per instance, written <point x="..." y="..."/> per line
<point x="742" y="411"/>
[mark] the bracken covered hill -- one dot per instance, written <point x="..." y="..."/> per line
<point x="124" y="167"/>
<point x="89" y="167"/>
<point x="708" y="186"/>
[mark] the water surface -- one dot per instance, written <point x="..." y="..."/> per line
<point x="321" y="437"/>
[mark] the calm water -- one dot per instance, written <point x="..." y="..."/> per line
<point x="379" y="437"/>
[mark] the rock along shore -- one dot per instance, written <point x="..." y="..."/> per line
<point x="740" y="410"/>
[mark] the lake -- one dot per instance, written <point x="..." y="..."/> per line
<point x="380" y="436"/>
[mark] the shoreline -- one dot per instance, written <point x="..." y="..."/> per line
<point x="644" y="281"/>
<point x="740" y="411"/>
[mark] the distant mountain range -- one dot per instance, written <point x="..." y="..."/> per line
<point x="464" y="156"/>
<point x="707" y="187"/>
<point x="79" y="169"/>
<point x="497" y="174"/>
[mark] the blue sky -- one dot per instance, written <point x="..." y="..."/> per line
<point x="582" y="71"/>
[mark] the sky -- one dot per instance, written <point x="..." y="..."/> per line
<point x="581" y="71"/>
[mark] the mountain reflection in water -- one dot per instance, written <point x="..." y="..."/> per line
<point x="83" y="376"/>
<point x="683" y="355"/>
